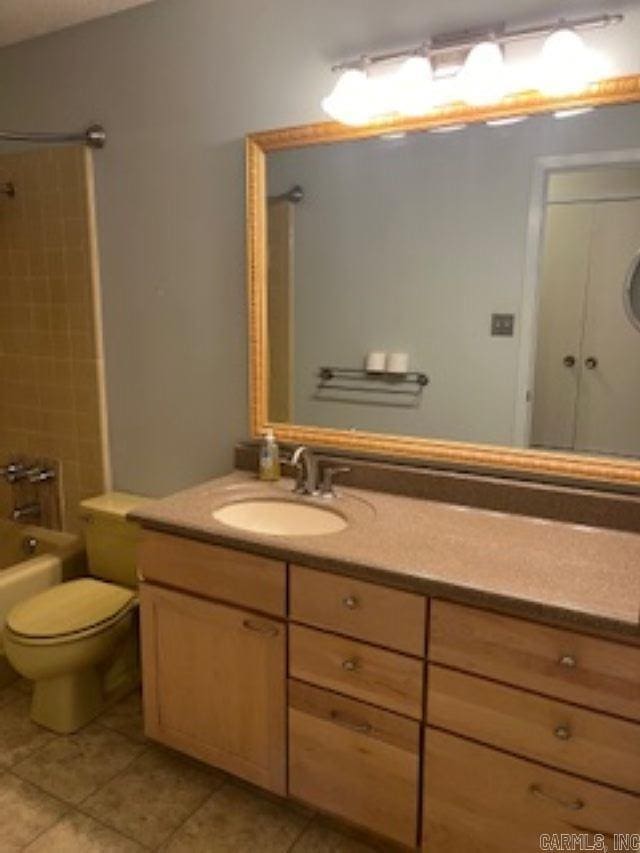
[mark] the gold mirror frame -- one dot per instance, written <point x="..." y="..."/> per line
<point x="490" y="458"/>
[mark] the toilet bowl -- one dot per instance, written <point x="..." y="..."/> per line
<point x="78" y="641"/>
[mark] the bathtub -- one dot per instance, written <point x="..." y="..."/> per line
<point x="31" y="560"/>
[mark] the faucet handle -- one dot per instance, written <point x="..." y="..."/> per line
<point x="328" y="473"/>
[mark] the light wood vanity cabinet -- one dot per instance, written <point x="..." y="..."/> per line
<point x="214" y="684"/>
<point x="538" y="735"/>
<point x="342" y="694"/>
<point x="215" y="671"/>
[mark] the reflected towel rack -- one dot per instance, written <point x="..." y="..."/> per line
<point x="366" y="382"/>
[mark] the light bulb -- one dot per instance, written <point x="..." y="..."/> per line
<point x="351" y="101"/>
<point x="483" y="79"/>
<point x="566" y="64"/>
<point x="413" y="93"/>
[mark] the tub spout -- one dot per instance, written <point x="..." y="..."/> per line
<point x="26" y="511"/>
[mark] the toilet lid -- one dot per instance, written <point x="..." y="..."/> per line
<point x="69" y="608"/>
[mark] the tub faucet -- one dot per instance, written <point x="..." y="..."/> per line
<point x="26" y="511"/>
<point x="13" y="472"/>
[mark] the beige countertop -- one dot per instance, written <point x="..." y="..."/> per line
<point x="584" y="577"/>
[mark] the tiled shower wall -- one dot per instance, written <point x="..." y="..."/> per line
<point x="51" y="400"/>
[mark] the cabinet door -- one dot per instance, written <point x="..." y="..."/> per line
<point x="214" y="684"/>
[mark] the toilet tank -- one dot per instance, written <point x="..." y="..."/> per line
<point x="111" y="539"/>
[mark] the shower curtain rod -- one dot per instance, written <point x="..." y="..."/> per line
<point x="94" y="136"/>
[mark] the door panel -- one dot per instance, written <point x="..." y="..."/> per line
<point x="564" y="274"/>
<point x="608" y="414"/>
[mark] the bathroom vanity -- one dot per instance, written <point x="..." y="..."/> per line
<point x="447" y="678"/>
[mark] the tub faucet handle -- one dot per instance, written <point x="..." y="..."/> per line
<point x="13" y="472"/>
<point x="41" y="475"/>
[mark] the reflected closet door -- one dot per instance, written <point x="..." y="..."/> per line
<point x="563" y="284"/>
<point x="608" y="414"/>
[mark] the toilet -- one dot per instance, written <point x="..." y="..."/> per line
<point x="78" y="641"/>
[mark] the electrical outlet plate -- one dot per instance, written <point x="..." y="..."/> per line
<point x="503" y="325"/>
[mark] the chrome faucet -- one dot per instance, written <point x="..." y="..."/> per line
<point x="308" y="470"/>
<point x="306" y="465"/>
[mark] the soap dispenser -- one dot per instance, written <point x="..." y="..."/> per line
<point x="269" y="458"/>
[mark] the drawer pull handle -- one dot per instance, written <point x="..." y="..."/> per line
<point x="569" y="661"/>
<point x="351" y="665"/>
<point x="361" y="728"/>
<point x="350" y="602"/>
<point x="258" y="628"/>
<point x="574" y="805"/>
<point x="562" y="732"/>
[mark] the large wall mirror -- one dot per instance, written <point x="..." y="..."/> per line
<point x="464" y="289"/>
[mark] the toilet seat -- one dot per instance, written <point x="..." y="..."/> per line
<point x="70" y="611"/>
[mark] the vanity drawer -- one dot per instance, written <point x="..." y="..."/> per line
<point x="586" y="670"/>
<point x="383" y="678"/>
<point x="354" y="761"/>
<point x="589" y="743"/>
<point x="358" y="609"/>
<point x="213" y="572"/>
<point x="476" y="798"/>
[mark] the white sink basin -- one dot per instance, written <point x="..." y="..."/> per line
<point x="280" y="518"/>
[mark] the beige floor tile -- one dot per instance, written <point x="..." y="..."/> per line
<point x="25" y="812"/>
<point x="74" y="766"/>
<point x="154" y="795"/>
<point x="234" y="820"/>
<point x="9" y="694"/>
<point x="126" y="717"/>
<point x="78" y="833"/>
<point x="324" y="839"/>
<point x="19" y="737"/>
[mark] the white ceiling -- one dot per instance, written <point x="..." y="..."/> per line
<point x="24" y="19"/>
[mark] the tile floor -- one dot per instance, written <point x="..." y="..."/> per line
<point x="107" y="788"/>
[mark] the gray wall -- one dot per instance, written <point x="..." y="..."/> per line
<point x="178" y="83"/>
<point x="410" y="246"/>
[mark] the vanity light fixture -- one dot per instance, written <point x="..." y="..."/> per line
<point x="413" y="93"/>
<point x="567" y="65"/>
<point x="420" y="78"/>
<point x="351" y="101"/>
<point x="483" y="78"/>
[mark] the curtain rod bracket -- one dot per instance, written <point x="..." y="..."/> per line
<point x="96" y="136"/>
